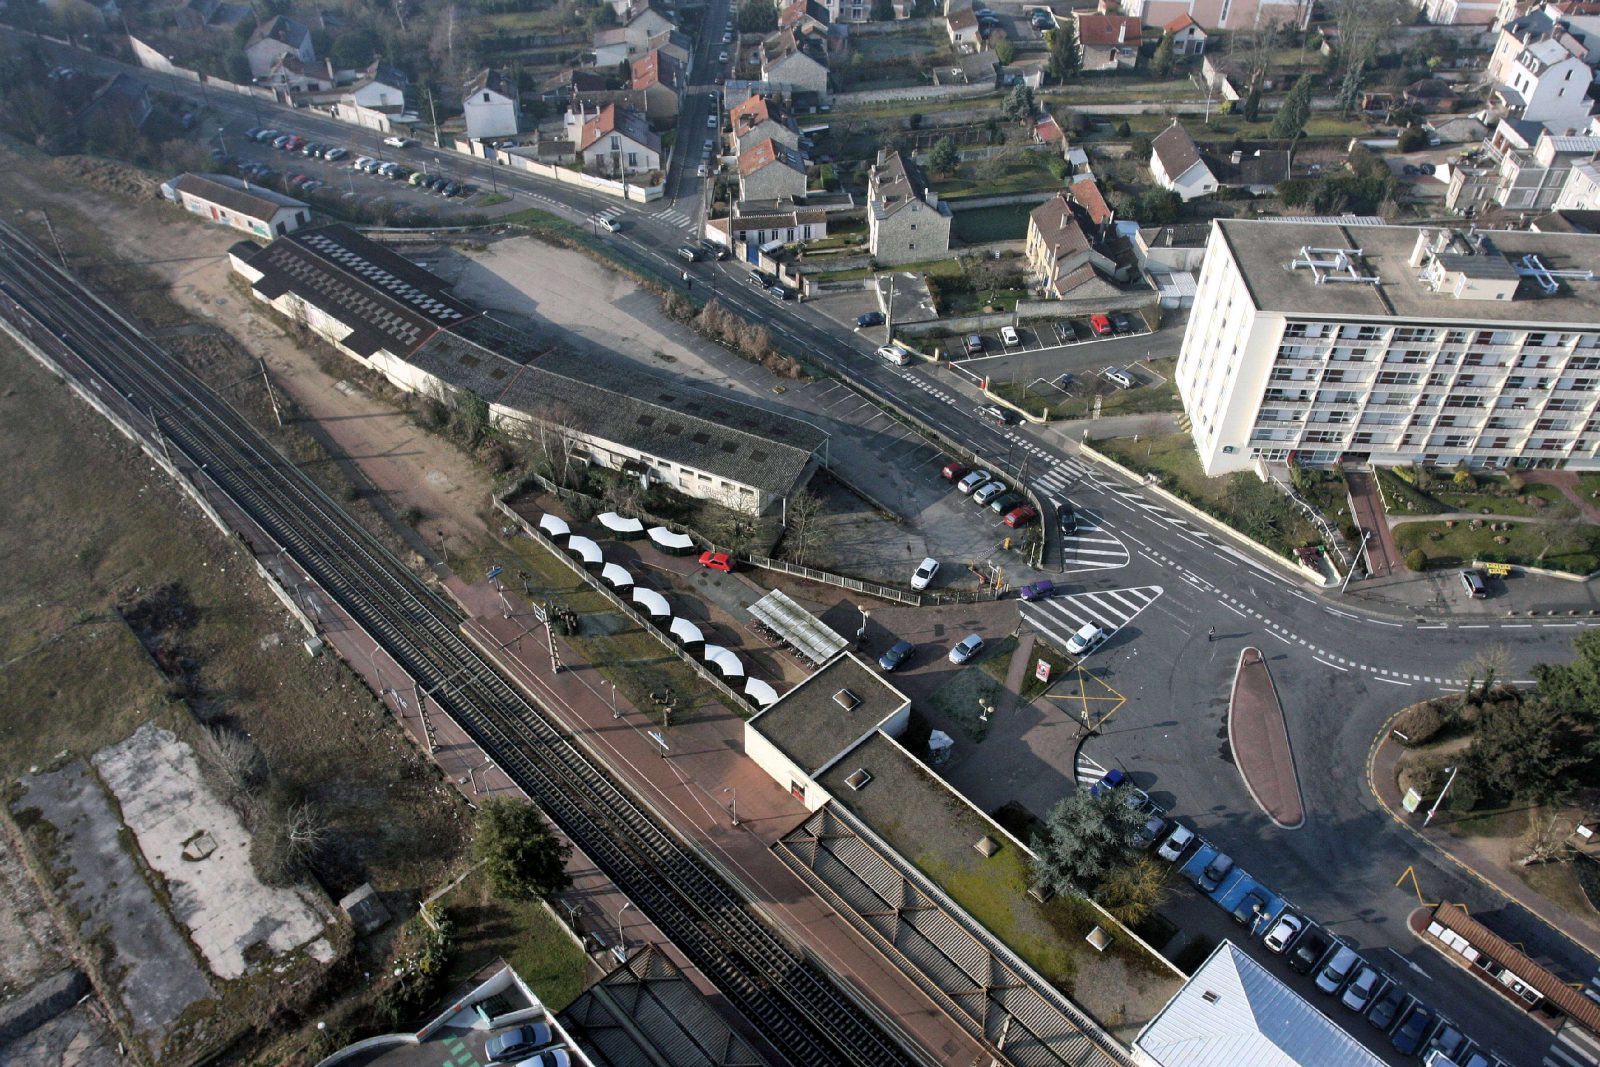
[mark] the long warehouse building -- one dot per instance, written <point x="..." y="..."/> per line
<point x="392" y="316"/>
<point x="1320" y="343"/>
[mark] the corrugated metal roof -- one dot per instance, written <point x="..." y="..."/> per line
<point x="1234" y="1013"/>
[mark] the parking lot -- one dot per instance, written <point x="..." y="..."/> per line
<point x="1043" y="337"/>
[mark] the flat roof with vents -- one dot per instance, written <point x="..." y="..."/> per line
<point x="829" y="713"/>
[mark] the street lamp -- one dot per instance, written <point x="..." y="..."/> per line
<point x="1426" y="819"/>
<point x="620" y="951"/>
<point x="733" y="803"/>
<point x="615" y="714"/>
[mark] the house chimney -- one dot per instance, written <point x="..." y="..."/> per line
<point x="1122" y="31"/>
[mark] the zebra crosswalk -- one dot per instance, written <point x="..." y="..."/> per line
<point x="1086" y="771"/>
<point x="1573" y="1047"/>
<point x="1092" y="546"/>
<point x="1060" y="617"/>
<point x="673" y="217"/>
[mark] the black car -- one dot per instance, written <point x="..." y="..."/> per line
<point x="1067" y="519"/>
<point x="1308" y="952"/>
<point x="1388" y="1007"/>
<point x="713" y="250"/>
<point x="1123" y="323"/>
<point x="451" y="189"/>
<point x="1407" y="1037"/>
<point x="871" y="318"/>
<point x="896" y="656"/>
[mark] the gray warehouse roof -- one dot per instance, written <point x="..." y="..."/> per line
<point x="825" y="715"/>
<point x="231" y="193"/>
<point x="1264" y="252"/>
<point x="1234" y="1013"/>
<point x="613" y="400"/>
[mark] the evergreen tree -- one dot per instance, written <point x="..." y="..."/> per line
<point x="1290" y="121"/>
<point x="1064" y="61"/>
<point x="520" y="854"/>
<point x="1084" y="839"/>
<point x="943" y="157"/>
<point x="1165" y="58"/>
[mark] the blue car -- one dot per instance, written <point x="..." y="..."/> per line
<point x="1407" y="1037"/>
<point x="1043" y="589"/>
<point x="898" y="653"/>
<point x="871" y="318"/>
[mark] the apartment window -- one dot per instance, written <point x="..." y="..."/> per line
<point x="1362" y="439"/>
<point x="1323" y="437"/>
<point x="1438" y="378"/>
<point x="1394" y="377"/>
<point x="1584" y="363"/>
<point x="1500" y="442"/>
<point x="1407" y="356"/>
<point x="1458" y="440"/>
<point x="1459" y="400"/>
<point x="1583" y="385"/>
<point x="1552" y="424"/>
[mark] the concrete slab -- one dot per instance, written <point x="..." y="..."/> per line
<point x="225" y="907"/>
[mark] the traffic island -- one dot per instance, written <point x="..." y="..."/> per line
<point x="1258" y="736"/>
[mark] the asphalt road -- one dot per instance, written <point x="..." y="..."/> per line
<point x="1341" y="668"/>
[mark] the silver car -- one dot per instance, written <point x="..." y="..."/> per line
<point x="1368" y="983"/>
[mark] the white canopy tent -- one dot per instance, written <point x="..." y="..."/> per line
<point x="803" y="631"/>
<point x="726" y="661"/>
<point x="676" y="543"/>
<point x="617" y="575"/>
<point x="554" y="525"/>
<point x="586" y="550"/>
<point x="652" y="602"/>
<point x="760" y="692"/>
<point x="623" y="527"/>
<point x="686" y="631"/>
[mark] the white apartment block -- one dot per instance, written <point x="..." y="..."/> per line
<point x="1320" y="343"/>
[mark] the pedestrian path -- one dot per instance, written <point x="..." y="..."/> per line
<point x="673" y="217"/>
<point x="1573" y="1047"/>
<point x="1060" y="617"/>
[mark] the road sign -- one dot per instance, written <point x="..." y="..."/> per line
<point x="655" y="735"/>
<point x="495" y="572"/>
<point x="1412" y="801"/>
<point x="1041" y="670"/>
<point x="1498" y="570"/>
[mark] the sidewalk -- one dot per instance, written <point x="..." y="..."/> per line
<point x="696" y="779"/>
<point x="1579" y="930"/>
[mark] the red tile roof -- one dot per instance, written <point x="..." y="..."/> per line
<point x="1088" y="196"/>
<point x="1100" y="31"/>
<point x="1181" y="23"/>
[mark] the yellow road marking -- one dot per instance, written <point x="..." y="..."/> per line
<point x="1089" y="694"/>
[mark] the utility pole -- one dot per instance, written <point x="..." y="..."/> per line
<point x="272" y="397"/>
<point x="888" y="316"/>
<point x="165" y="451"/>
<point x="1426" y="819"/>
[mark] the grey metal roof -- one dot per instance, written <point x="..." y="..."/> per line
<point x="615" y="400"/>
<point x="231" y="193"/>
<point x="1234" y="1013"/>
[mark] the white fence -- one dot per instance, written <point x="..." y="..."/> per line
<point x="639" y="194"/>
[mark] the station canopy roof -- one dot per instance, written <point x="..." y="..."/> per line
<point x="802" y="630"/>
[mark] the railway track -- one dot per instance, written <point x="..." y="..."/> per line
<point x="784" y="995"/>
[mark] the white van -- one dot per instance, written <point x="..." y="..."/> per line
<point x="1086" y="640"/>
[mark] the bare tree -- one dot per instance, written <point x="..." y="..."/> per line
<point x="1486" y="666"/>
<point x="306" y="830"/>
<point x="1562" y="531"/>
<point x="233" y="757"/>
<point x="1362" y="25"/>
<point x="804" y="522"/>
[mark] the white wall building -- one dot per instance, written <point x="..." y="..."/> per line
<point x="1391" y="344"/>
<point x="1582" y="189"/>
<point x="231" y="202"/>
<point x="1548" y="81"/>
<point x="1175" y="164"/>
<point x="491" y="105"/>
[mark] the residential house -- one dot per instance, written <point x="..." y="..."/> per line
<point x="1258" y="171"/>
<point x="1108" y="42"/>
<point x="661" y="79"/>
<point x="906" y="221"/>
<point x="121" y="99"/>
<point x="1224" y="77"/>
<point x="1188" y="36"/>
<point x="744" y="232"/>
<point x="1582" y="189"/>
<point x="1432" y="96"/>
<point x="275" y="38"/>
<point x="1459" y="12"/>
<point x="592" y="101"/>
<point x="618" y="142"/>
<point x="769" y="169"/>
<point x="380" y="86"/>
<point x="759" y="119"/>
<point x="235" y="203"/>
<point x="491" y="105"/>
<point x="1062" y="257"/>
<point x="1175" y="164"/>
<point x="1098" y="218"/>
<point x="1552" y="21"/>
<point x="1175" y="249"/>
<point x="1547" y="82"/>
<point x="611" y="46"/>
<point x="1532" y="179"/>
<point x="962" y="28"/>
<point x="199" y="15"/>
<point x="636" y="36"/>
<point x="793" y="63"/>
<point x="804" y="16"/>
<point x="289" y="75"/>
<point x="1048" y="131"/>
<point x="558" y="89"/>
<point x="1215" y="15"/>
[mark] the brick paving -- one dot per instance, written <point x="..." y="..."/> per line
<point x="1259" y="737"/>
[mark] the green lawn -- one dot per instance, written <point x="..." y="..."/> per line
<point x="1008" y="222"/>
<point x="1015" y="174"/>
<point x="1493" y="493"/>
<point x="521" y="932"/>
<point x="1463" y="543"/>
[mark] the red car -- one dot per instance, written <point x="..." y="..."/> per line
<point x="717" y="561"/>
<point x="1020" y="516"/>
<point x="1101" y="324"/>
<point x="954" y="471"/>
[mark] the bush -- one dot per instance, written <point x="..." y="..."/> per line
<point x="1413" y="139"/>
<point x="1421" y="723"/>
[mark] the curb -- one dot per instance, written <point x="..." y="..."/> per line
<point x="1378" y="741"/>
<point x="1293" y="769"/>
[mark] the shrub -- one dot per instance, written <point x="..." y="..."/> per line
<point x="1413" y="139"/>
<point x="1417" y="560"/>
<point x="1420" y="723"/>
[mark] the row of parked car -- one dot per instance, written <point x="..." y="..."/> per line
<point x="1413" y="1028"/>
<point x="990" y="490"/>
<point x="521" y="1046"/>
<point x="295" y="144"/>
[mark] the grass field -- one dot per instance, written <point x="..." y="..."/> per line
<point x="1008" y="222"/>
<point x="523" y="933"/>
<point x="1025" y="172"/>
<point x="1463" y="543"/>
